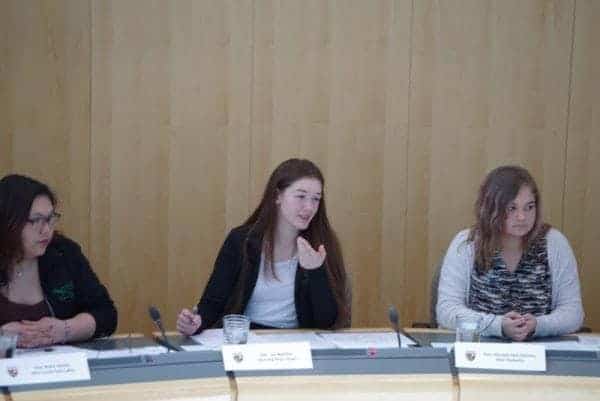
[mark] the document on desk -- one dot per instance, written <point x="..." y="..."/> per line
<point x="590" y="340"/>
<point x="584" y="344"/>
<point x="91" y="353"/>
<point x="316" y="341"/>
<point x="448" y="346"/>
<point x="366" y="340"/>
<point x="568" y="346"/>
<point x="211" y="339"/>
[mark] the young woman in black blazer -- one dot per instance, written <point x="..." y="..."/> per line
<point x="283" y="266"/>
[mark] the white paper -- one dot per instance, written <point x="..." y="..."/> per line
<point x="567" y="346"/>
<point x="91" y="353"/>
<point x="211" y="339"/>
<point x="267" y="356"/>
<point x="33" y="369"/>
<point x="500" y="356"/>
<point x="591" y="340"/>
<point x="550" y="345"/>
<point x="448" y="346"/>
<point x="366" y="340"/>
<point x="316" y="341"/>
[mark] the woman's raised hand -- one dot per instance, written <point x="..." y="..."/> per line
<point x="308" y="258"/>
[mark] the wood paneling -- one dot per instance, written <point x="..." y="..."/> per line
<point x="582" y="195"/>
<point x="45" y="100"/>
<point x="159" y="123"/>
<point x="490" y="87"/>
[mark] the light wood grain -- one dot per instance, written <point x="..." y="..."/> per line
<point x="213" y="389"/>
<point x="582" y="194"/>
<point x="346" y="387"/>
<point x="158" y="123"/>
<point x="475" y="387"/>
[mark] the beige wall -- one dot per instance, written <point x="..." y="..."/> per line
<point x="159" y="122"/>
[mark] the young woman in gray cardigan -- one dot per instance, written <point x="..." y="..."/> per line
<point x="517" y="273"/>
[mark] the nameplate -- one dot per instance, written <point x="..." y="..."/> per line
<point x="500" y="356"/>
<point x="268" y="356"/>
<point x="22" y="370"/>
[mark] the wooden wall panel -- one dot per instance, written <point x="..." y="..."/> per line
<point x="135" y="66"/>
<point x="45" y="131"/>
<point x="209" y="158"/>
<point x="160" y="122"/>
<point x="393" y="273"/>
<point x="6" y="111"/>
<point x="484" y="95"/>
<point x="582" y="195"/>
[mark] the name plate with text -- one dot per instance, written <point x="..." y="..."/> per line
<point x="268" y="356"/>
<point x="526" y="357"/>
<point x="23" y="370"/>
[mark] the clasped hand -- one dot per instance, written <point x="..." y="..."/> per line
<point x="518" y="327"/>
<point x="46" y="331"/>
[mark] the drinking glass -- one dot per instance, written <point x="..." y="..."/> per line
<point x="235" y="329"/>
<point x="8" y="344"/>
<point x="468" y="328"/>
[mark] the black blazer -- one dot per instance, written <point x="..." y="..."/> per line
<point x="71" y="287"/>
<point x="315" y="304"/>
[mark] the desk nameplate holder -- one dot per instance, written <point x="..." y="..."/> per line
<point x="500" y="356"/>
<point x="71" y="367"/>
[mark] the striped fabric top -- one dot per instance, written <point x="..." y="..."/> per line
<point x="526" y="290"/>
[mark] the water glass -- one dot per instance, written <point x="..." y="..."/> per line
<point x="8" y="344"/>
<point x="235" y="329"/>
<point x="468" y="328"/>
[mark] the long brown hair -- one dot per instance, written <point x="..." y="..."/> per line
<point x="499" y="188"/>
<point x="17" y="193"/>
<point x="262" y="223"/>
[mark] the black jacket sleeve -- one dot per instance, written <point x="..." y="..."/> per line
<point x="221" y="284"/>
<point x="90" y="296"/>
<point x="315" y="303"/>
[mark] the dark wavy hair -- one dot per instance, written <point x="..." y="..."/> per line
<point x="499" y="188"/>
<point x="262" y="223"/>
<point x="17" y="193"/>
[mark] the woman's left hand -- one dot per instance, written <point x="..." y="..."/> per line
<point x="530" y="323"/>
<point x="308" y="258"/>
<point x="46" y="331"/>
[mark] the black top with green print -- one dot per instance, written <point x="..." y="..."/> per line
<point x="71" y="286"/>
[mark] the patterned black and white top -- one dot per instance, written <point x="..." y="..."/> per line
<point x="545" y="284"/>
<point x="526" y="290"/>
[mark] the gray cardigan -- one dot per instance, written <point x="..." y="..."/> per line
<point x="453" y="291"/>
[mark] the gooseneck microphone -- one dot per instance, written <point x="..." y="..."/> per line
<point x="394" y="320"/>
<point x="164" y="341"/>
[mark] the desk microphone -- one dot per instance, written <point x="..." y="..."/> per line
<point x="394" y="320"/>
<point x="164" y="341"/>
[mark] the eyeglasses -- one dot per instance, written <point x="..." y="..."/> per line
<point x="38" y="221"/>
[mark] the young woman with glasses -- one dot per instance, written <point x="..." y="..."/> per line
<point x="48" y="292"/>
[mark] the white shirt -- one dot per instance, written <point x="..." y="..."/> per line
<point x="272" y="302"/>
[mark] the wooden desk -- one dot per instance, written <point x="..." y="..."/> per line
<point x="503" y="387"/>
<point x="174" y="376"/>
<point x="434" y="387"/>
<point x="212" y="389"/>
<point x="413" y="374"/>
